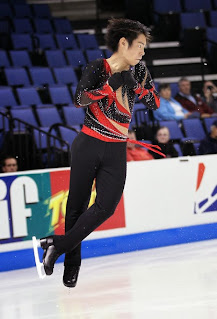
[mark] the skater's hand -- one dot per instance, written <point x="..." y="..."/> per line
<point x="115" y="81"/>
<point x="129" y="79"/>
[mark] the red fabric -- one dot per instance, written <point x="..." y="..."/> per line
<point x="200" y="107"/>
<point x="138" y="154"/>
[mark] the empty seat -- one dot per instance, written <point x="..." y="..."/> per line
<point x="215" y="4"/>
<point x="174" y="129"/>
<point x="140" y="114"/>
<point x="197" y="5"/>
<point x="211" y="35"/>
<point x="59" y="94"/>
<point x="44" y="41"/>
<point x="108" y="53"/>
<point x="5" y="10"/>
<point x="41" y="76"/>
<point x="22" y="25"/>
<point x="20" y="58"/>
<point x="5" y="26"/>
<point x="193" y="129"/>
<point x="43" y="25"/>
<point x="48" y="116"/>
<point x="67" y="134"/>
<point x="208" y="122"/>
<point x="94" y="54"/>
<point x="167" y="6"/>
<point x="28" y="96"/>
<point x="4" y="61"/>
<point x="178" y="149"/>
<point x="7" y="97"/>
<point x="65" y="75"/>
<point x="66" y="41"/>
<point x="62" y="25"/>
<point x="41" y="10"/>
<point x="43" y="140"/>
<point x="174" y="88"/>
<point x="25" y="115"/>
<point x="87" y="41"/>
<point x="75" y="58"/>
<point x="17" y="76"/>
<point x="73" y="116"/>
<point x="192" y="19"/>
<point x="22" y="10"/>
<point x="21" y="41"/>
<point x="55" y="58"/>
<point x="213" y="19"/>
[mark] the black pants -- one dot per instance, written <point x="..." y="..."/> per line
<point x="91" y="158"/>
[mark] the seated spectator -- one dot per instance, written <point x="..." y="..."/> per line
<point x="192" y="103"/>
<point x="135" y="152"/>
<point x="209" y="144"/>
<point x="209" y="95"/>
<point x="9" y="164"/>
<point x="169" y="108"/>
<point x="166" y="145"/>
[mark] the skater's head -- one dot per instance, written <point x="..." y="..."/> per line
<point x="164" y="90"/>
<point x="128" y="38"/>
<point x="163" y="135"/>
<point x="185" y="86"/>
<point x="9" y="164"/>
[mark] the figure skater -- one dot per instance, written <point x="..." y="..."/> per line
<point x="107" y="89"/>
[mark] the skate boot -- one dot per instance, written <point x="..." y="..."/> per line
<point x="70" y="276"/>
<point x="50" y="254"/>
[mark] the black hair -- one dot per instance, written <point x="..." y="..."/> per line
<point x="163" y="86"/>
<point x="129" y="29"/>
<point x="5" y="158"/>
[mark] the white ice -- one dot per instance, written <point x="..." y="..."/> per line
<point x="177" y="282"/>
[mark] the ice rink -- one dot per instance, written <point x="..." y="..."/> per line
<point x="178" y="282"/>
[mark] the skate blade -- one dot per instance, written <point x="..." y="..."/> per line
<point x="39" y="265"/>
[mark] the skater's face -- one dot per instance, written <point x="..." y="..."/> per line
<point x="133" y="53"/>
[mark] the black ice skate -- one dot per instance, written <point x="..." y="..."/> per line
<point x="70" y="276"/>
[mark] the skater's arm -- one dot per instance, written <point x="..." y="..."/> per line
<point x="89" y="88"/>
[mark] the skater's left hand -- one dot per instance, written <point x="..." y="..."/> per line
<point x="129" y="79"/>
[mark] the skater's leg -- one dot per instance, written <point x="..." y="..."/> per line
<point x="110" y="182"/>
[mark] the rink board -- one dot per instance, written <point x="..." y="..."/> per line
<point x="165" y="202"/>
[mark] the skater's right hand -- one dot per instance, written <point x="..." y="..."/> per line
<point x="115" y="81"/>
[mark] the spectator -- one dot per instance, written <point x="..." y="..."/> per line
<point x="209" y="144"/>
<point x="136" y="153"/>
<point x="192" y="103"/>
<point x="166" y="145"/>
<point x="169" y="108"/>
<point x="209" y="95"/>
<point x="9" y="164"/>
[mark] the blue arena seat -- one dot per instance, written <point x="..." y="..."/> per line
<point x="75" y="58"/>
<point x="4" y="61"/>
<point x="7" y="97"/>
<point x="67" y="134"/>
<point x="66" y="41"/>
<point x="44" y="41"/>
<point x="41" y="76"/>
<point x="62" y="25"/>
<point x="94" y="54"/>
<point x="28" y="96"/>
<point x="48" y="116"/>
<point x="178" y="149"/>
<point x="87" y="41"/>
<point x="197" y="5"/>
<point x="25" y="115"/>
<point x="41" y="10"/>
<point x="65" y="75"/>
<point x="108" y="53"/>
<point x="166" y="6"/>
<point x="193" y="129"/>
<point x="208" y="122"/>
<point x="191" y="20"/>
<point x="42" y="25"/>
<point x="5" y="10"/>
<point x="59" y="94"/>
<point x="73" y="116"/>
<point x="213" y="19"/>
<point x="21" y="41"/>
<point x="55" y="58"/>
<point x="174" y="129"/>
<point x="22" y="10"/>
<point x="22" y="25"/>
<point x="20" y="58"/>
<point x="17" y="76"/>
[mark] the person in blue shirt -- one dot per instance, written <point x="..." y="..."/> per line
<point x="169" y="109"/>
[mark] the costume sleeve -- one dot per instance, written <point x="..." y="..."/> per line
<point x="90" y="88"/>
<point x="146" y="91"/>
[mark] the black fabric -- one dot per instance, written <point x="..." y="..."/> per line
<point x="208" y="146"/>
<point x="168" y="149"/>
<point x="91" y="158"/>
<point x="129" y="79"/>
<point x="115" y="81"/>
